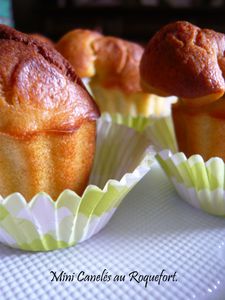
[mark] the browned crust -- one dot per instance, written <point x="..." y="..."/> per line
<point x="76" y="47"/>
<point x="42" y="38"/>
<point x="49" y="54"/>
<point x="117" y="64"/>
<point x="39" y="89"/>
<point x="111" y="61"/>
<point x="185" y="60"/>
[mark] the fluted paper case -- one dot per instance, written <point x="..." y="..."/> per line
<point x="200" y="183"/>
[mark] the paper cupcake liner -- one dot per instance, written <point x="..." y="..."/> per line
<point x="43" y="224"/>
<point x="158" y="130"/>
<point x="161" y="133"/>
<point x="138" y="123"/>
<point x="200" y="183"/>
<point x="114" y="101"/>
<point x="86" y="81"/>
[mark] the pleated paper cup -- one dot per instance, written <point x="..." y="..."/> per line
<point x="42" y="224"/>
<point x="115" y="101"/>
<point x="86" y="81"/>
<point x="161" y="133"/>
<point x="200" y="183"/>
<point x="157" y="129"/>
<point x="138" y="123"/>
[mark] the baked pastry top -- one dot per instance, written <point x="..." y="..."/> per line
<point x="117" y="63"/>
<point x="113" y="62"/>
<point x="77" y="47"/>
<point x="187" y="61"/>
<point x="39" y="90"/>
<point x="42" y="38"/>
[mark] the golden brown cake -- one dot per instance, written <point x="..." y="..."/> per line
<point x="112" y="67"/>
<point x="42" y="38"/>
<point x="77" y="47"/>
<point x="187" y="61"/>
<point x="47" y="120"/>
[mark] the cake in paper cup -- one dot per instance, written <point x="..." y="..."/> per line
<point x="184" y="60"/>
<point x="53" y="193"/>
<point x="110" y="65"/>
<point x="43" y="224"/>
<point x="47" y="120"/>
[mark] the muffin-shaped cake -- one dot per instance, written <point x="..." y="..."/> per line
<point x="186" y="61"/>
<point x="111" y="66"/>
<point x="47" y="120"/>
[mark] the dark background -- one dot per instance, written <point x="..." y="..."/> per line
<point x="133" y="20"/>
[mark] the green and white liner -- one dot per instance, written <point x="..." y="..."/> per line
<point x="42" y="224"/>
<point x="159" y="130"/>
<point x="200" y="183"/>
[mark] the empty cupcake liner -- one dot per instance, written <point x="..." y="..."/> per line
<point x="43" y="224"/>
<point x="200" y="183"/>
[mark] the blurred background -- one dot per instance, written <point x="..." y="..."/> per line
<point x="135" y="20"/>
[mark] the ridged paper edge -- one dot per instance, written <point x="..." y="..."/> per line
<point x="200" y="183"/>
